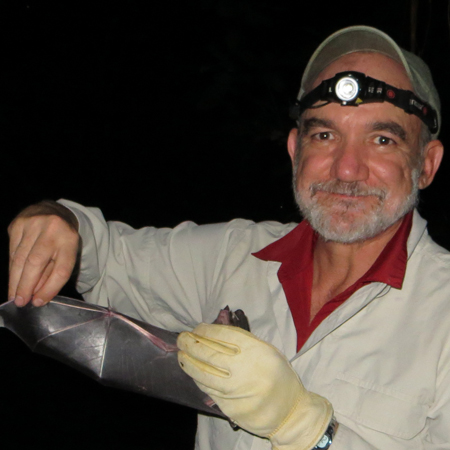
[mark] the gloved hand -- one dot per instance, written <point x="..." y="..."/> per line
<point x="254" y="385"/>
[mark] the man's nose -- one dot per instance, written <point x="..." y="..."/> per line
<point x="350" y="163"/>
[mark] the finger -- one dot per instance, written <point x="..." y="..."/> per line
<point x="206" y="382"/>
<point x="203" y="359"/>
<point x="194" y="343"/>
<point x="45" y="276"/>
<point x="234" y="337"/>
<point x="15" y="268"/>
<point x="54" y="278"/>
<point x="33" y="267"/>
<point x="20" y="247"/>
<point x="200" y="371"/>
<point x="225" y="333"/>
<point x="15" y="231"/>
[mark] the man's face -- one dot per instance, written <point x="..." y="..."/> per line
<point x="357" y="169"/>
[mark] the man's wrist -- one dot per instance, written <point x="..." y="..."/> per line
<point x="327" y="439"/>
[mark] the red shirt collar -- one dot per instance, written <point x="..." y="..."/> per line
<point x="295" y="252"/>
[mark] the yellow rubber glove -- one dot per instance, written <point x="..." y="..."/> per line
<point x="254" y="385"/>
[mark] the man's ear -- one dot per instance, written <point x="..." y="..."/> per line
<point x="292" y="143"/>
<point x="432" y="160"/>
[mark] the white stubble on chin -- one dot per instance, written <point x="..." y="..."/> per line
<point x="356" y="219"/>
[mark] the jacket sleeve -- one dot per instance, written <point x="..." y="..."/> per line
<point x="162" y="276"/>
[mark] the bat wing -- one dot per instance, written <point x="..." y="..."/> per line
<point x="114" y="349"/>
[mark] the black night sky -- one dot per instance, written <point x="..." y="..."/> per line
<point x="159" y="112"/>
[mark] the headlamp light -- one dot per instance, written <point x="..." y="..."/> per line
<point x="355" y="88"/>
<point x="347" y="89"/>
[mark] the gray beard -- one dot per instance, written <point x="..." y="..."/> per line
<point x="372" y="224"/>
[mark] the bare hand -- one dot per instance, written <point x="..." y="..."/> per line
<point x="44" y="244"/>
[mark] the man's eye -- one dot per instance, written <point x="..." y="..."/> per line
<point x="324" y="136"/>
<point x="383" y="140"/>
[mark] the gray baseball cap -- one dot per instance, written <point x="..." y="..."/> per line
<point x="367" y="39"/>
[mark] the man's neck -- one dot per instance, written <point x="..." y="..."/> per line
<point x="338" y="266"/>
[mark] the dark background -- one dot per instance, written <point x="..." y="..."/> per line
<point x="157" y="113"/>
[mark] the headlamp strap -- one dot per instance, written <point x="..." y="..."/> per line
<point x="370" y="90"/>
<point x="412" y="104"/>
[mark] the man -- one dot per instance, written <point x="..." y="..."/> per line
<point x="348" y="310"/>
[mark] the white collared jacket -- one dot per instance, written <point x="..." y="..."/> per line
<point x="382" y="358"/>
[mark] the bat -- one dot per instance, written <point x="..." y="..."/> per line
<point x="114" y="349"/>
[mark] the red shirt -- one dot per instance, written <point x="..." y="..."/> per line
<point x="295" y="252"/>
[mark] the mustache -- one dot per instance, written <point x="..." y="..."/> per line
<point x="353" y="189"/>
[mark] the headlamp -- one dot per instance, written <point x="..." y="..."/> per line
<point x="347" y="89"/>
<point x="355" y="88"/>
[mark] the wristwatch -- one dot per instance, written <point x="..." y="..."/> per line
<point x="327" y="438"/>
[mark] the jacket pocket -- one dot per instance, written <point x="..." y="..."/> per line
<point x="380" y="408"/>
